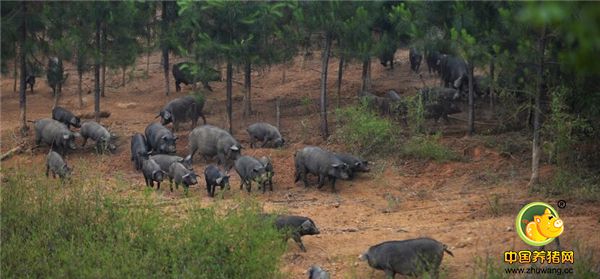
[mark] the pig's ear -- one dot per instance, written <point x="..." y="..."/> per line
<point x="66" y="136"/>
<point x="234" y="148"/>
<point x="357" y="164"/>
<point x="186" y="175"/>
<point x="164" y="137"/>
<point x="176" y="137"/>
<point x="219" y="180"/>
<point x="335" y="165"/>
<point x="307" y="224"/>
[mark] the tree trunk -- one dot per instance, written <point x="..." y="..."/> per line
<point x="97" y="75"/>
<point x="283" y="74"/>
<point x="103" y="49"/>
<point x="471" y="113"/>
<point x="16" y="74"/>
<point x="165" y="47"/>
<point x="123" y="77"/>
<point x="22" y="58"/>
<point x="229" y="93"/>
<point x="537" y="110"/>
<point x="492" y="83"/>
<point x="79" y="89"/>
<point x="247" y="88"/>
<point x="324" y="66"/>
<point x="148" y="45"/>
<point x="278" y="113"/>
<point x="339" y="82"/>
<point x="366" y="76"/>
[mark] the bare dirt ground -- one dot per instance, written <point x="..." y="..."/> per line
<point x="469" y="205"/>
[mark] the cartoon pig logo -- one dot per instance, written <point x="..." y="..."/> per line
<point x="544" y="227"/>
<point x="538" y="224"/>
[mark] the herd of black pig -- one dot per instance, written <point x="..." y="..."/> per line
<point x="438" y="102"/>
<point x="152" y="153"/>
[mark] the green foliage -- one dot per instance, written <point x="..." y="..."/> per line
<point x="364" y="130"/>
<point x="563" y="130"/>
<point x="51" y="231"/>
<point x="416" y="113"/>
<point x="427" y="147"/>
<point x="574" y="184"/>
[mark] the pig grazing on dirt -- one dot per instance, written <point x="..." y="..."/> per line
<point x="179" y="174"/>
<point x="214" y="177"/>
<point x="316" y="272"/>
<point x="55" y="134"/>
<point x="165" y="161"/>
<point x="56" y="164"/>
<point x="181" y="110"/>
<point x="411" y="257"/>
<point x="66" y="117"/>
<point x="182" y="73"/>
<point x="250" y="169"/>
<point x="354" y="163"/>
<point x="152" y="172"/>
<point x="211" y="141"/>
<point x="99" y="134"/>
<point x="139" y="148"/>
<point x="317" y="161"/>
<point x="296" y="227"/>
<point x="266" y="161"/>
<point x="264" y="132"/>
<point x="160" y="139"/>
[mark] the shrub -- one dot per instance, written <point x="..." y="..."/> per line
<point x="427" y="147"/>
<point x="575" y="184"/>
<point x="363" y="129"/>
<point x="67" y="232"/>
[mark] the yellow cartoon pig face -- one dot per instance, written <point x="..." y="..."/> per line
<point x="548" y="225"/>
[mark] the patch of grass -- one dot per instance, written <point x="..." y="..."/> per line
<point x="363" y="130"/>
<point x="574" y="184"/>
<point x="428" y="147"/>
<point x="495" y="204"/>
<point x="199" y="95"/>
<point x="70" y="231"/>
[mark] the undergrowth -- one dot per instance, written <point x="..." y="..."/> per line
<point x="427" y="147"/>
<point x="363" y="130"/>
<point x="53" y="231"/>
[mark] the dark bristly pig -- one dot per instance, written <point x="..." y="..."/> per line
<point x="412" y="257"/>
<point x="214" y="177"/>
<point x="295" y="227"/>
<point x="415" y="58"/>
<point x="68" y="118"/>
<point x="99" y="134"/>
<point x="55" y="134"/>
<point x="211" y="141"/>
<point x="250" y="169"/>
<point x="354" y="163"/>
<point x="160" y="139"/>
<point x="182" y="72"/>
<point x="316" y="272"/>
<point x="179" y="174"/>
<point x="57" y="165"/>
<point x="325" y="164"/>
<point x="138" y="146"/>
<point x="165" y="161"/>
<point x="152" y="172"/>
<point x="265" y="133"/>
<point x="266" y="161"/>
<point x="181" y="110"/>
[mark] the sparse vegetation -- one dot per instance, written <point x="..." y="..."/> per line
<point x="427" y="147"/>
<point x="364" y="130"/>
<point x="70" y="232"/>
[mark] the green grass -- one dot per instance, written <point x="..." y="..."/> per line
<point x="363" y="130"/>
<point x="53" y="231"/>
<point x="573" y="184"/>
<point x="428" y="148"/>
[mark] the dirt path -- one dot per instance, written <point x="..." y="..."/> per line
<point x="468" y="205"/>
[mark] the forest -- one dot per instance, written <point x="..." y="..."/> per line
<point x="432" y="122"/>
